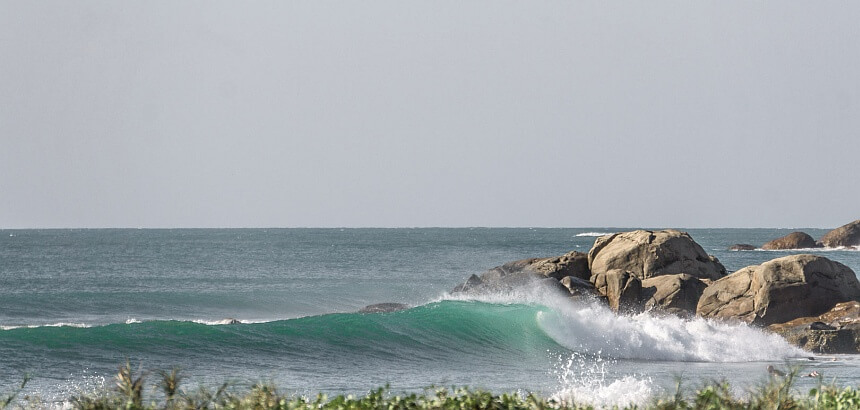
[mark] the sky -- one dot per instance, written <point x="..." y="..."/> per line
<point x="432" y="113"/>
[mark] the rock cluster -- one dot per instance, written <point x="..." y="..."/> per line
<point x="846" y="236"/>
<point x="810" y="300"/>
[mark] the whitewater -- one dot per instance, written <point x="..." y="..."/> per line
<point x="282" y="305"/>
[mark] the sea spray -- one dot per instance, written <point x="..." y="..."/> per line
<point x="583" y="380"/>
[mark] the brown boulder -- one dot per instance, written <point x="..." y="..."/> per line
<point x="794" y="240"/>
<point x="845" y="235"/>
<point x="622" y="289"/>
<point x="837" y="331"/>
<point x="570" y="264"/>
<point x="646" y="254"/>
<point x="780" y="290"/>
<point x="678" y="294"/>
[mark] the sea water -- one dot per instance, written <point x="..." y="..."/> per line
<point x="75" y="304"/>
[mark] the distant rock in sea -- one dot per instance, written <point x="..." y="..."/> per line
<point x="742" y="247"/>
<point x="846" y="235"/>
<point x="794" y="240"/>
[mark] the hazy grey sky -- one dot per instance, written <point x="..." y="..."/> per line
<point x="434" y="113"/>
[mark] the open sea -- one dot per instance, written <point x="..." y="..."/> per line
<point x="77" y="303"/>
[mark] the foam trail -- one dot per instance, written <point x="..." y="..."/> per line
<point x="592" y="327"/>
<point x="594" y="234"/>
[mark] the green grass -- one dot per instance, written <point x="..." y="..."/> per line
<point x="129" y="393"/>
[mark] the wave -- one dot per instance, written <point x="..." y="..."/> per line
<point x="498" y="327"/>
<point x="595" y="234"/>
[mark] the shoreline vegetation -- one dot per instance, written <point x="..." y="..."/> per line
<point x="130" y="392"/>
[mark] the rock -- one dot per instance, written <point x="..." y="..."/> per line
<point x="383" y="308"/>
<point x="473" y="282"/>
<point x="845" y="235"/>
<point x="780" y="290"/>
<point x="794" y="240"/>
<point x="742" y="247"/>
<point x="622" y="289"/>
<point x="678" y="294"/>
<point x="227" y="321"/>
<point x="524" y="271"/>
<point x="646" y="254"/>
<point x="570" y="264"/>
<point x="836" y="331"/>
<point x="578" y="286"/>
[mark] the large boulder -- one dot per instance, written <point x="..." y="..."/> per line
<point x="678" y="294"/>
<point x="845" y="235"/>
<point x="780" y="290"/>
<point x="647" y="254"/>
<point x="836" y="331"/>
<point x="794" y="240"/>
<point x="622" y="289"/>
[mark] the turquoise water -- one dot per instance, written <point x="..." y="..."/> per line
<point x="74" y="304"/>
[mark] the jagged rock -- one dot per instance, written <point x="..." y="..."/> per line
<point x="524" y="271"/>
<point x="780" y="290"/>
<point x="742" y="247"/>
<point x="794" y="240"/>
<point x="383" y="308"/>
<point x="678" y="294"/>
<point x="646" y="254"/>
<point x="622" y="289"/>
<point x="836" y="331"/>
<point x="845" y="235"/>
<point x="570" y="264"/>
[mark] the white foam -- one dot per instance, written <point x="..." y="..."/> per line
<point x="589" y="326"/>
<point x="592" y="327"/>
<point x="60" y="324"/>
<point x="595" y="234"/>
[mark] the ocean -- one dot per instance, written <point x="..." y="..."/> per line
<point x="77" y="303"/>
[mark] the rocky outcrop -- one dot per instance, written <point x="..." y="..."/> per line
<point x="780" y="290"/>
<point x="678" y="294"/>
<point x="622" y="289"/>
<point x="837" y="331"/>
<point x="794" y="240"/>
<point x="646" y="254"/>
<point x="525" y="271"/>
<point x="845" y="235"/>
<point x="742" y="247"/>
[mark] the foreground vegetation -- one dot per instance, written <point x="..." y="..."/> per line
<point x="128" y="393"/>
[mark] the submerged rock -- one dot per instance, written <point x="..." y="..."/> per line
<point x="845" y="235"/>
<point x="780" y="290"/>
<point x="742" y="247"/>
<point x="647" y="254"/>
<point x="383" y="308"/>
<point x="794" y="240"/>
